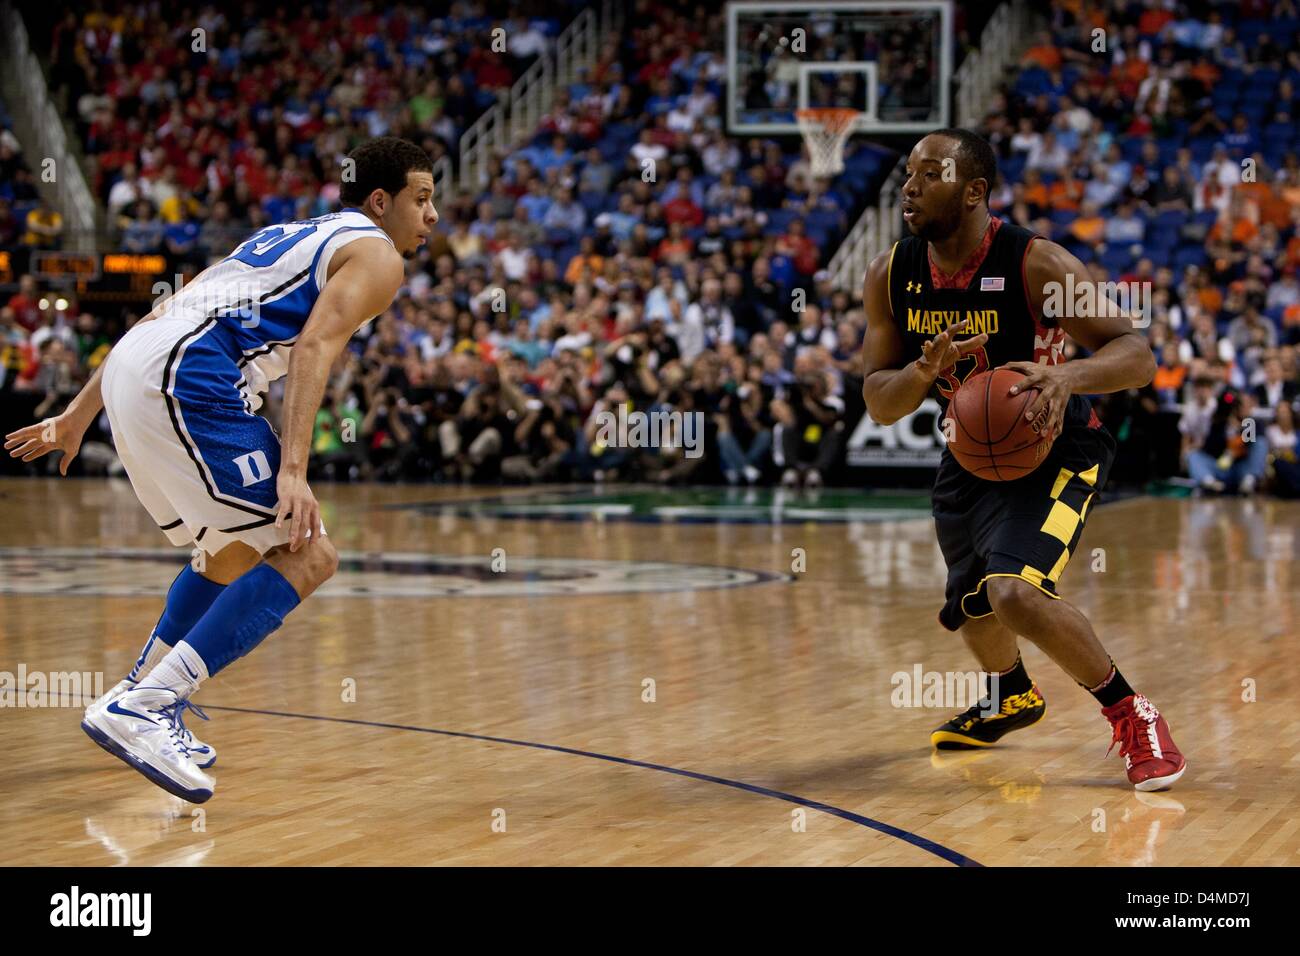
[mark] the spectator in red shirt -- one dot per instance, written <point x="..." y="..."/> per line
<point x="682" y="210"/>
<point x="26" y="304"/>
<point x="796" y="244"/>
<point x="1153" y="20"/>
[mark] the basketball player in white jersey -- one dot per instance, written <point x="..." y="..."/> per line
<point x="180" y="389"/>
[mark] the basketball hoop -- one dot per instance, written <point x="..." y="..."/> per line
<point x="826" y="130"/>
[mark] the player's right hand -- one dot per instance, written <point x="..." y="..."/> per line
<point x="61" y="433"/>
<point x="299" y="505"/>
<point x="941" y="352"/>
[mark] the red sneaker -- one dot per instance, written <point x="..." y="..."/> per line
<point x="1150" y="754"/>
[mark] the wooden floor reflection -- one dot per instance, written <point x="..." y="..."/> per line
<point x="433" y="709"/>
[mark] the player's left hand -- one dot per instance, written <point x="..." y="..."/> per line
<point x="299" y="505"/>
<point x="61" y="433"/>
<point x="1047" y="412"/>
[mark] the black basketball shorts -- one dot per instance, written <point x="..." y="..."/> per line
<point x="1027" y="528"/>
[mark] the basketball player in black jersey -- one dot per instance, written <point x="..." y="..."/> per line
<point x="965" y="272"/>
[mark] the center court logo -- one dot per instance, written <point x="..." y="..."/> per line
<point x="951" y="690"/>
<point x="130" y="572"/>
<point x="49" y="689"/>
<point x="652" y="430"/>
<point x="103" y="909"/>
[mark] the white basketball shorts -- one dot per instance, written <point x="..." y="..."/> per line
<point x="202" y="464"/>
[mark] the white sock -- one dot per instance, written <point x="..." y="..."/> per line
<point x="154" y="651"/>
<point x="182" y="671"/>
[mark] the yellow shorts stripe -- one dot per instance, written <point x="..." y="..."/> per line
<point x="1062" y="480"/>
<point x="1027" y="574"/>
<point x="1062" y="521"/>
<point x="1055" y="574"/>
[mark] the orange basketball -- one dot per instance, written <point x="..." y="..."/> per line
<point x="987" y="429"/>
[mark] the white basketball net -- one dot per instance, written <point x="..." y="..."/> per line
<point x="826" y="131"/>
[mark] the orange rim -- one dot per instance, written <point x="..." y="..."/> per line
<point x="831" y="118"/>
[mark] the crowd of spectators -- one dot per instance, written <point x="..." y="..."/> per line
<point x="1158" y="142"/>
<point x="27" y="220"/>
<point x="634" y="255"/>
<point x="183" y="113"/>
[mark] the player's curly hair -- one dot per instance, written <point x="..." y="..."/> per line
<point x="975" y="157"/>
<point x="382" y="164"/>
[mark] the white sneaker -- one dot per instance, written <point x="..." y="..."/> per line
<point x="117" y="690"/>
<point x="202" y="754"/>
<point x="752" y="474"/>
<point x="142" y="728"/>
<point x="1247" y="486"/>
<point x="813" y="479"/>
<point x="790" y="479"/>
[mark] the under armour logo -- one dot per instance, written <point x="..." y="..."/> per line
<point x="913" y="286"/>
<point x="253" y="467"/>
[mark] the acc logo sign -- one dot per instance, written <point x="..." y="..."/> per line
<point x="912" y="441"/>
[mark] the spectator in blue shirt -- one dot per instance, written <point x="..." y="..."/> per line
<point x="1241" y="142"/>
<point x="558" y="155"/>
<point x="535" y="202"/>
<point x="280" y="206"/>
<point x="485" y="226"/>
<point x="623" y="220"/>
<point x="596" y="175"/>
<point x="566" y="214"/>
<point x="182" y="239"/>
<point x="662" y="100"/>
<point x="144" y="233"/>
<point x="1125" y="226"/>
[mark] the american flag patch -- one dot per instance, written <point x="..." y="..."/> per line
<point x="990" y="284"/>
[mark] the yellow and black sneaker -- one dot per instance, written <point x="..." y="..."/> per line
<point x="971" y="729"/>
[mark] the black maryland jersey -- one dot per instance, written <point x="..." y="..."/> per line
<point x="990" y="291"/>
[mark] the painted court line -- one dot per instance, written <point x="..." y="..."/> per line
<point x="929" y="846"/>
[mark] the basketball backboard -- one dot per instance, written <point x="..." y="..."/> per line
<point x="891" y="60"/>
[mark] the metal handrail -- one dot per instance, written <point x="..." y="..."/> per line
<point x="41" y="131"/>
<point x="876" y="229"/>
<point x="518" y="111"/>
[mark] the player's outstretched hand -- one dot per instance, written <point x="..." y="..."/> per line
<point x="942" y="351"/>
<point x="61" y="433"/>
<point x="300" y="507"/>
<point x="1047" y="411"/>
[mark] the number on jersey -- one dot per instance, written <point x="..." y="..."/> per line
<point x="966" y="366"/>
<point x="265" y="247"/>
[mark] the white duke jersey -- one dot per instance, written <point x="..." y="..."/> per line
<point x="180" y="391"/>
<point x="264" y="291"/>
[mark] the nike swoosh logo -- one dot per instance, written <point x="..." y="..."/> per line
<point x="188" y="671"/>
<point x="113" y="708"/>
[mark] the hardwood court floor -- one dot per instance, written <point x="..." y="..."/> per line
<point x="484" y="696"/>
